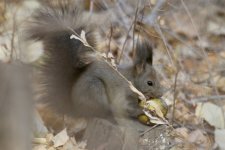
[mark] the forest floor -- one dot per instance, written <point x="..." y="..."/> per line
<point x="189" y="55"/>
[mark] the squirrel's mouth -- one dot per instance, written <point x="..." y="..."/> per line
<point x="149" y="97"/>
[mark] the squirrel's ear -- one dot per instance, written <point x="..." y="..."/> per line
<point x="84" y="58"/>
<point x="143" y="55"/>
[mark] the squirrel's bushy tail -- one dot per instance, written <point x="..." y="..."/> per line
<point x="64" y="58"/>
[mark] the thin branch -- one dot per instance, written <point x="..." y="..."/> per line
<point x="208" y="98"/>
<point x="13" y="36"/>
<point x="110" y="39"/>
<point x="121" y="15"/>
<point x="124" y="43"/>
<point x="146" y="131"/>
<point x="174" y="96"/>
<point x="151" y="19"/>
<point x="91" y="7"/>
<point x="165" y="43"/>
<point x="203" y="50"/>
<point x="135" y="20"/>
<point x="133" y="24"/>
<point x="193" y="127"/>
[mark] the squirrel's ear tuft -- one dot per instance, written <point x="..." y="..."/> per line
<point x="84" y="59"/>
<point x="143" y="54"/>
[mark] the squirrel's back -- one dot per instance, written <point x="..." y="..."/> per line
<point x="64" y="58"/>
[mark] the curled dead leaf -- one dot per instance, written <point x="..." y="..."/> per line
<point x="154" y="110"/>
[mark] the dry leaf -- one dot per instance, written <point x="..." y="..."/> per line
<point x="180" y="134"/>
<point x="219" y="138"/>
<point x="199" y="138"/>
<point x="216" y="28"/>
<point x="156" y="108"/>
<point x="61" y="138"/>
<point x="155" y="119"/>
<point x="39" y="147"/>
<point x="212" y="113"/>
<point x="141" y="96"/>
<point x="39" y="129"/>
<point x="82" y="38"/>
<point x="39" y="141"/>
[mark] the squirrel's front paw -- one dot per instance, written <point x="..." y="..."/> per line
<point x="134" y="109"/>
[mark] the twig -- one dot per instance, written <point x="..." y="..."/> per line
<point x="83" y="40"/>
<point x="151" y="20"/>
<point x="133" y="24"/>
<point x="13" y="36"/>
<point x="121" y="15"/>
<point x="193" y="127"/>
<point x="204" y="99"/>
<point x="203" y="50"/>
<point x="177" y="37"/>
<point x="4" y="11"/>
<point x="154" y="13"/>
<point x="143" y="133"/>
<point x="91" y="7"/>
<point x="135" y="20"/>
<point x="124" y="43"/>
<point x="165" y="43"/>
<point x="110" y="39"/>
<point x="174" y="96"/>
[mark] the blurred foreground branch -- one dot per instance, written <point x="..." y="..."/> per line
<point x="15" y="107"/>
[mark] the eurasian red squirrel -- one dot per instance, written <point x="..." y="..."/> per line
<point x="79" y="83"/>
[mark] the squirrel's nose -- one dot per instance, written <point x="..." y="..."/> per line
<point x="158" y="93"/>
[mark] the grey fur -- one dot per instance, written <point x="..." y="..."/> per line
<point x="77" y="83"/>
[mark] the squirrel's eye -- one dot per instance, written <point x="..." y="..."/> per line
<point x="150" y="83"/>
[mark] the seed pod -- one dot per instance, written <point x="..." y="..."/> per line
<point x="162" y="105"/>
<point x="144" y="119"/>
<point x="153" y="105"/>
<point x="157" y="102"/>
